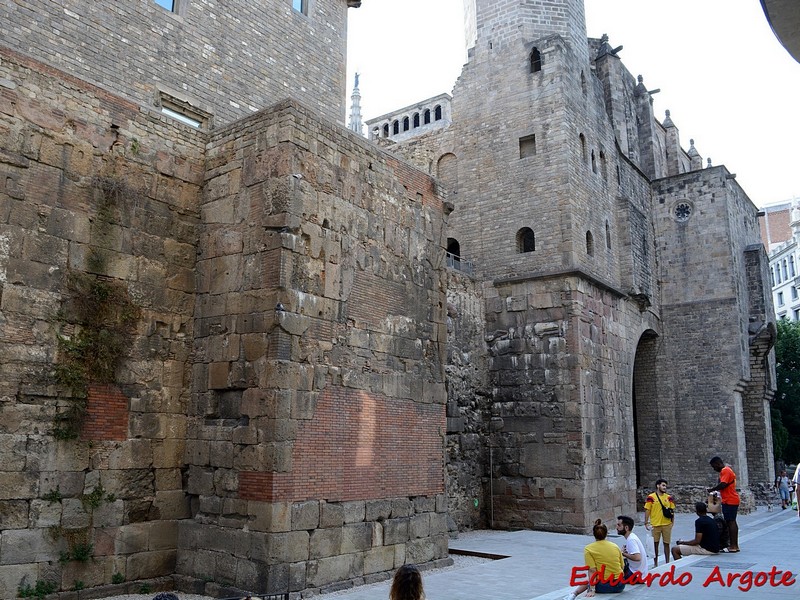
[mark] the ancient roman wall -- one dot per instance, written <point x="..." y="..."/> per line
<point x="98" y="228"/>
<point x="316" y="438"/>
<point x="704" y="270"/>
<point x="229" y="59"/>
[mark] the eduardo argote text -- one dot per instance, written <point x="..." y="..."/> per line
<point x="743" y="580"/>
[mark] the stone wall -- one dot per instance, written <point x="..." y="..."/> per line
<point x="94" y="189"/>
<point x="315" y="445"/>
<point x="228" y="59"/>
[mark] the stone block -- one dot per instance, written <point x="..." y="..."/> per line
<point x="172" y="504"/>
<point x="15" y="575"/>
<point x="420" y="551"/>
<point x="424" y="504"/>
<point x="354" y="511"/>
<point x="74" y="514"/>
<point x="132" y="538"/>
<point x="270" y="516"/>
<point x="325" y="542"/>
<point x="109" y="514"/>
<point x="356" y="537"/>
<point x="297" y="577"/>
<point x="328" y="570"/>
<point x="419" y="526"/>
<point x="18" y="485"/>
<point x="331" y="515"/>
<point x="14" y="513"/>
<point x="146" y="565"/>
<point x="402" y="507"/>
<point x="395" y="531"/>
<point x="20" y="546"/>
<point x="377" y="560"/>
<point x="305" y="515"/>
<point x="288" y="547"/>
<point x="378" y="510"/>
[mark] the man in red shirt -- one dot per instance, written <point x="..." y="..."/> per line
<point x="730" y="499"/>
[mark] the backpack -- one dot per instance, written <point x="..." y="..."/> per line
<point x="724" y="537"/>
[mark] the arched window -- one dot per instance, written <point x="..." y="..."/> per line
<point x="426" y="116"/>
<point x="589" y="243"/>
<point x="416" y="120"/>
<point x="536" y="61"/>
<point x="447" y="172"/>
<point x="405" y="124"/>
<point x="376" y="133"/>
<point x="396" y="127"/>
<point x="583" y="147"/>
<point x="608" y="236"/>
<point x="453" y="247"/>
<point x="386" y="130"/>
<point x="437" y="113"/>
<point x="526" y="240"/>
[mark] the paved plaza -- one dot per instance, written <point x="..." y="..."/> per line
<point x="539" y="565"/>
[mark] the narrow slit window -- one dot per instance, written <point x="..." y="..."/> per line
<point x="416" y="120"/>
<point x="405" y="124"/>
<point x="589" y="243"/>
<point x="426" y="116"/>
<point x="536" y="61"/>
<point x="300" y="6"/>
<point x="437" y="113"/>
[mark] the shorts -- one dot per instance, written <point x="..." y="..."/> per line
<point x="729" y="511"/>
<point x="664" y="531"/>
<point x="784" y="492"/>
<point x="603" y="587"/>
<point x="696" y="550"/>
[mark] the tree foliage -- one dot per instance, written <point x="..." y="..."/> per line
<point x="786" y="406"/>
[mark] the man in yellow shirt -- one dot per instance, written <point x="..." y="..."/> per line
<point x="659" y="514"/>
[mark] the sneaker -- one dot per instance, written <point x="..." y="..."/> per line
<point x="570" y="596"/>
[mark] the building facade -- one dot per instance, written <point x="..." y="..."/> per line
<point x="234" y="356"/>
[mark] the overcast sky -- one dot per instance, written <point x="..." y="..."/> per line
<point x="723" y="75"/>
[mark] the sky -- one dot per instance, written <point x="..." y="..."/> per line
<point x="723" y="75"/>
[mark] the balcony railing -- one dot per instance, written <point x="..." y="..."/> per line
<point x="460" y="264"/>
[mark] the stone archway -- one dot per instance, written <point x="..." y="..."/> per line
<point x="646" y="426"/>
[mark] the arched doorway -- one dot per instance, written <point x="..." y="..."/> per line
<point x="646" y="425"/>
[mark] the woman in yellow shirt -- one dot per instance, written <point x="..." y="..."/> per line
<point x="605" y="563"/>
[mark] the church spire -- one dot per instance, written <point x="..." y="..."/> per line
<point x="355" y="109"/>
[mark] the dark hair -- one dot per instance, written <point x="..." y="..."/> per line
<point x="407" y="584"/>
<point x="660" y="481"/>
<point x="716" y="459"/>
<point x="700" y="508"/>
<point x="599" y="530"/>
<point x="626" y="521"/>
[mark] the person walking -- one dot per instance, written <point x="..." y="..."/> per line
<point x="730" y="499"/>
<point x="659" y="514"/>
<point x="782" y="484"/>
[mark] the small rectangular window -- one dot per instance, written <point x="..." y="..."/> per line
<point x="794" y="293"/>
<point x="183" y="110"/>
<point x="168" y="4"/>
<point x="300" y="6"/>
<point x="780" y="298"/>
<point x="527" y="146"/>
<point x="797" y="314"/>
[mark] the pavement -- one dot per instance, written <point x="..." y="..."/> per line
<point x="539" y="565"/>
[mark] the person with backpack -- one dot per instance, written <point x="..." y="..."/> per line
<point x="659" y="514"/>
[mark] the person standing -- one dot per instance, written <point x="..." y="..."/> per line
<point x="796" y="481"/>
<point x="706" y="536"/>
<point x="659" y="513"/>
<point x="633" y="551"/>
<point x="782" y="485"/>
<point x="730" y="499"/>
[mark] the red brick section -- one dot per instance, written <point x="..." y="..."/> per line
<point x="373" y="299"/>
<point x="416" y="182"/>
<point x="106" y="414"/>
<point x="359" y="446"/>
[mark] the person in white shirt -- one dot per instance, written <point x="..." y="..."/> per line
<point x="796" y="480"/>
<point x="633" y="550"/>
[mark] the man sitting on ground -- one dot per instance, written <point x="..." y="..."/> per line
<point x="632" y="550"/>
<point x="706" y="535"/>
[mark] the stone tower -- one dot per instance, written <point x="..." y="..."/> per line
<point x="578" y="213"/>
